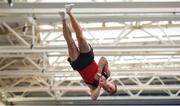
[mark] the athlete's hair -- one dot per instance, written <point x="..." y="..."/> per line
<point x="115" y="90"/>
<point x="112" y="93"/>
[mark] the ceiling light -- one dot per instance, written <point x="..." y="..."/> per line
<point x="10" y="2"/>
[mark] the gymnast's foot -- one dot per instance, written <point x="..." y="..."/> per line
<point x="69" y="7"/>
<point x="62" y="14"/>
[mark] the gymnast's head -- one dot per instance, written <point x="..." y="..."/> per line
<point x="110" y="87"/>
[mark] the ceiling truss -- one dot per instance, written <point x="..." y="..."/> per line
<point x="145" y="67"/>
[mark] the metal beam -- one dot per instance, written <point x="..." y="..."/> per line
<point x="84" y="11"/>
<point x="34" y="63"/>
<point x="97" y="48"/>
<point x="35" y="56"/>
<point x="93" y="11"/>
<point x="85" y="88"/>
<point x="2" y="104"/>
<point x="117" y="28"/>
<point x="32" y="56"/>
<point x="16" y="34"/>
<point x="18" y="99"/>
<point x="72" y="74"/>
<point x="95" y="5"/>
<point x="111" y="18"/>
<point x="94" y="18"/>
<point x="7" y="65"/>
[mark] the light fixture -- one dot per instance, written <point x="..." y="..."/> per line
<point x="32" y="20"/>
<point x="10" y="2"/>
<point x="25" y="28"/>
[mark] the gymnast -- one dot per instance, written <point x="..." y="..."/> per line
<point x="81" y="58"/>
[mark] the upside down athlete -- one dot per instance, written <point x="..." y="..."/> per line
<point x="81" y="58"/>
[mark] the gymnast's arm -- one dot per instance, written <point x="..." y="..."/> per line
<point x="103" y="66"/>
<point x="96" y="91"/>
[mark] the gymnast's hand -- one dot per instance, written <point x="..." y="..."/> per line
<point x="102" y="81"/>
<point x="98" y="74"/>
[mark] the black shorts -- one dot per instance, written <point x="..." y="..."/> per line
<point x="83" y="60"/>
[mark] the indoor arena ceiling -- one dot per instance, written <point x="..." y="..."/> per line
<point x="140" y="39"/>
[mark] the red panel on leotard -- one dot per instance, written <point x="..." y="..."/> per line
<point x="89" y="72"/>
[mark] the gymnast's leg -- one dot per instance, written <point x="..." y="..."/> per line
<point x="72" y="48"/>
<point x="82" y="43"/>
